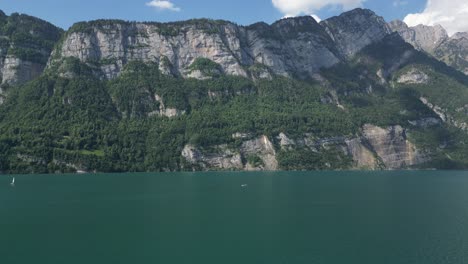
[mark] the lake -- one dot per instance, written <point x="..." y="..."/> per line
<point x="281" y="217"/>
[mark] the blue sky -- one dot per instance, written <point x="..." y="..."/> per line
<point x="66" y="12"/>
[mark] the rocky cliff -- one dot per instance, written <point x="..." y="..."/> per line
<point x="346" y="93"/>
<point x="356" y="29"/>
<point x="296" y="47"/>
<point x="426" y="38"/>
<point x="375" y="148"/>
<point x="25" y="46"/>
<point x="435" y="41"/>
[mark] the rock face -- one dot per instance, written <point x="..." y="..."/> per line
<point x="376" y="148"/>
<point x="414" y="76"/>
<point x="229" y="45"/>
<point x="445" y="116"/>
<point x="392" y="146"/>
<point x="436" y="42"/>
<point x="362" y="156"/>
<point x="454" y="51"/>
<point x="356" y="29"/>
<point x="221" y="157"/>
<point x="425" y="38"/>
<point x="16" y="71"/>
<point x="25" y="46"/>
<point x="296" y="47"/>
<point x="264" y="149"/>
<point x="166" y="111"/>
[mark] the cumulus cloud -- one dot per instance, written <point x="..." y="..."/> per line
<point x="452" y="15"/>
<point x="317" y="18"/>
<point x="301" y="7"/>
<point x="163" y="5"/>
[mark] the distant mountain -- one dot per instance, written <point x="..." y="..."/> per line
<point x="345" y="93"/>
<point x="435" y="41"/>
<point x="25" y="46"/>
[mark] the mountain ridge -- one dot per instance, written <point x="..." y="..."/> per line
<point x="345" y="93"/>
<point x="435" y="41"/>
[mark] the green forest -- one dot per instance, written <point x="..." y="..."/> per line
<point x="70" y="119"/>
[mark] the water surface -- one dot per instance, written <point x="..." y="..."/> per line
<point x="284" y="217"/>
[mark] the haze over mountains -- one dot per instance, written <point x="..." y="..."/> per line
<point x="349" y="92"/>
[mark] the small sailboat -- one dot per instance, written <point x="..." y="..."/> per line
<point x="13" y="182"/>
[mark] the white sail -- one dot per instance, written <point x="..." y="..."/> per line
<point x="13" y="181"/>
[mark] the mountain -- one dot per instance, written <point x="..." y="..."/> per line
<point x="345" y="93"/>
<point x="294" y="47"/>
<point x="25" y="46"/>
<point x="435" y="41"/>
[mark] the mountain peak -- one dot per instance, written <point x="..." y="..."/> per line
<point x="296" y="20"/>
<point x="397" y="24"/>
<point x="355" y="29"/>
<point x="290" y="26"/>
<point x="422" y="37"/>
<point x="359" y="11"/>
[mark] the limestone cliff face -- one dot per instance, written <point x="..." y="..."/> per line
<point x="15" y="71"/>
<point x="414" y="76"/>
<point x="363" y="157"/>
<point x="219" y="157"/>
<point x="296" y="47"/>
<point x="222" y="157"/>
<point x="454" y="51"/>
<point x="425" y="38"/>
<point x="25" y="46"/>
<point x="435" y="41"/>
<point x="446" y="116"/>
<point x="392" y="146"/>
<point x="356" y="29"/>
<point x="376" y="148"/>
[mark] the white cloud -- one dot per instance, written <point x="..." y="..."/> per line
<point x="314" y="16"/>
<point x="301" y="7"/>
<point x="317" y="18"/>
<point x="451" y="14"/>
<point x="163" y="5"/>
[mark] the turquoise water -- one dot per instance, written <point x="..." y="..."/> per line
<point x="300" y="217"/>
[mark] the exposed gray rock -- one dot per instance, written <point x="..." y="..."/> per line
<point x="25" y="46"/>
<point x="454" y="51"/>
<point x="435" y="41"/>
<point x="197" y="74"/>
<point x="363" y="157"/>
<point x="16" y="71"/>
<point x="264" y="149"/>
<point x="285" y="142"/>
<point x="413" y="76"/>
<point x="444" y="115"/>
<point x="297" y="47"/>
<point x="425" y="38"/>
<point x="220" y="157"/>
<point x="376" y="148"/>
<point x="166" y="111"/>
<point x="239" y="135"/>
<point x="356" y="29"/>
<point x="437" y="109"/>
<point x="426" y="122"/>
<point x="392" y="146"/>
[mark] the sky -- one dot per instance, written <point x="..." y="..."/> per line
<point x="449" y="13"/>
